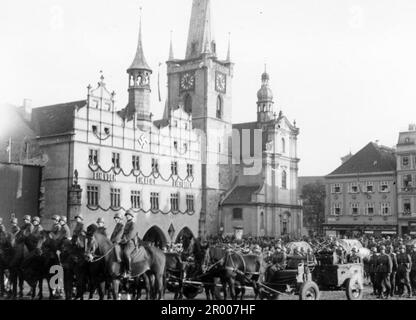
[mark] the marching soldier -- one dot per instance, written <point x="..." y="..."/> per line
<point x="372" y="268"/>
<point x="413" y="269"/>
<point x="129" y="239"/>
<point x="101" y="226"/>
<point x="404" y="266"/>
<point x="79" y="229"/>
<point x="393" y="256"/>
<point x="37" y="227"/>
<point x="117" y="235"/>
<point x="384" y="270"/>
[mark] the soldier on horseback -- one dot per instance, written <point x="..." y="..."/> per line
<point x="101" y="226"/>
<point x="117" y="235"/>
<point x="129" y="240"/>
<point x="37" y="227"/>
<point x="79" y="231"/>
<point x="27" y="227"/>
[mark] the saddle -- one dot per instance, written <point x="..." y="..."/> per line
<point x="140" y="261"/>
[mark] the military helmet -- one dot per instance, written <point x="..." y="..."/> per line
<point x="118" y="216"/>
<point x="63" y="218"/>
<point x="37" y="219"/>
<point x="383" y="248"/>
<point x="373" y="249"/>
<point x="129" y="213"/>
<point x="403" y="247"/>
<point x="354" y="249"/>
<point x="100" y="220"/>
<point x="79" y="216"/>
<point x="14" y="221"/>
<point x="27" y="217"/>
<point x="56" y="217"/>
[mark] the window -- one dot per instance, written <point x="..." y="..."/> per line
<point x="135" y="199"/>
<point x="384" y="186"/>
<point x="370" y="187"/>
<point x="405" y="161"/>
<point x="190" y="170"/>
<point x="188" y="104"/>
<point x="115" y="195"/>
<point x="283" y="145"/>
<point x="407" y="181"/>
<point x="154" y="201"/>
<point x="190" y="203"/>
<point x="284" y="227"/>
<point x="354" y="209"/>
<point x="174" y="168"/>
<point x="219" y="107"/>
<point x="93" y="157"/>
<point x="107" y="131"/>
<point x="94" y="129"/>
<point x="336" y="209"/>
<point x="354" y="187"/>
<point x="262" y="221"/>
<point x="407" y="207"/>
<point x="385" y="209"/>
<point x="135" y="163"/>
<point x="237" y="214"/>
<point x="155" y="166"/>
<point x="92" y="196"/>
<point x="336" y="188"/>
<point x="284" y="180"/>
<point x="174" y="202"/>
<point x="369" y="209"/>
<point x="116" y="160"/>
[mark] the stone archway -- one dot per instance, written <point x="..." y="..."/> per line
<point x="156" y="237"/>
<point x="184" y="237"/>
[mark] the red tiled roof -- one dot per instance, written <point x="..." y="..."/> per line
<point x="371" y="159"/>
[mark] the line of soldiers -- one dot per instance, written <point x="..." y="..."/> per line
<point x="392" y="271"/>
<point x="124" y="235"/>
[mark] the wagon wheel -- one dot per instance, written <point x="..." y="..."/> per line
<point x="191" y="291"/>
<point x="354" y="289"/>
<point x="309" y="291"/>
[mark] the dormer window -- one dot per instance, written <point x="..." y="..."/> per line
<point x="94" y="129"/>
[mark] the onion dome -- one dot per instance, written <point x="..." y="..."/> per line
<point x="265" y="93"/>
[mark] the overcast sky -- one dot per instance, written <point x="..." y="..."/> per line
<point x="344" y="70"/>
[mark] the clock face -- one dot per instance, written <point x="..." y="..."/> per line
<point x="221" y="82"/>
<point x="187" y="81"/>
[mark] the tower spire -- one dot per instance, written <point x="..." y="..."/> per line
<point x="229" y="48"/>
<point x="139" y="62"/>
<point x="199" y="37"/>
<point x="171" y="55"/>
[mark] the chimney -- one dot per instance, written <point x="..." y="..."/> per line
<point x="346" y="158"/>
<point x="412" y="127"/>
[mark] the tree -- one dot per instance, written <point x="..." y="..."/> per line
<point x="313" y="197"/>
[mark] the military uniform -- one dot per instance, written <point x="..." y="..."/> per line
<point x="129" y="240"/>
<point x="413" y="270"/>
<point x="393" y="275"/>
<point x="103" y="231"/>
<point x="354" y="258"/>
<point x="404" y="266"/>
<point x="372" y="268"/>
<point x="37" y="230"/>
<point x="78" y="232"/>
<point x="384" y="270"/>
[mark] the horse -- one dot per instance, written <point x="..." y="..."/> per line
<point x="143" y="259"/>
<point x="175" y="270"/>
<point x="213" y="272"/>
<point x="18" y="251"/>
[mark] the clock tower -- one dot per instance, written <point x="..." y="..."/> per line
<point x="202" y="84"/>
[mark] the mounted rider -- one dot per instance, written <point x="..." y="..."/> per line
<point x="129" y="240"/>
<point x="117" y="235"/>
<point x="27" y="227"/>
<point x="101" y="227"/>
<point x="79" y="230"/>
<point x="37" y="227"/>
<point x="64" y="233"/>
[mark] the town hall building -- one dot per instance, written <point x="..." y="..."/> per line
<point x="185" y="174"/>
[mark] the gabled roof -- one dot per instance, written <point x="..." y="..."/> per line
<point x="56" y="119"/>
<point x="241" y="195"/>
<point x="371" y="159"/>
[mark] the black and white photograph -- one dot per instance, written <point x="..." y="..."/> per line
<point x="206" y="150"/>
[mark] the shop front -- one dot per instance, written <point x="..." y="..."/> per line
<point x="355" y="231"/>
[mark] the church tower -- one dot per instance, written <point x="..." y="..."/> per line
<point x="139" y="86"/>
<point x="265" y="104"/>
<point x="201" y="84"/>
